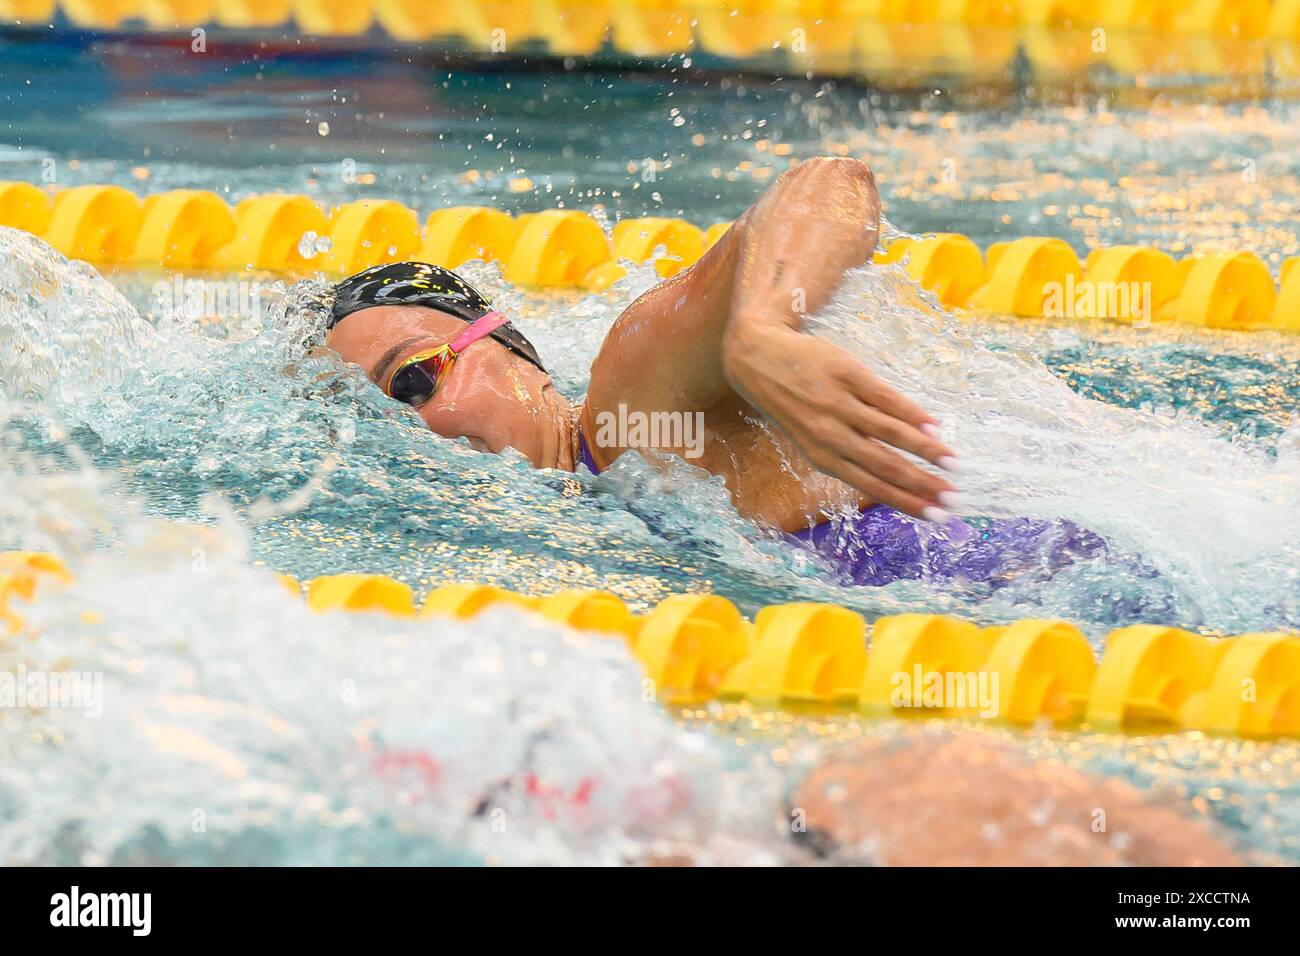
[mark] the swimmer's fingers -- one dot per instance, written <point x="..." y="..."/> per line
<point x="871" y="390"/>
<point x="894" y="431"/>
<point x="887" y="469"/>
<point x="880" y="491"/>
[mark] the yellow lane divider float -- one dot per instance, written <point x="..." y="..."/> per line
<point x="1032" y="277"/>
<point x="698" y="647"/>
<point x="735" y="28"/>
<point x="877" y="39"/>
<point x="21" y="575"/>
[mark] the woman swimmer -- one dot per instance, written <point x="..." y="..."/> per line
<point x="724" y="339"/>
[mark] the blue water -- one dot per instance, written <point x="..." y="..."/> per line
<point x="173" y="460"/>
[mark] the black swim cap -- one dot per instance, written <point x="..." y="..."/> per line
<point x="419" y="283"/>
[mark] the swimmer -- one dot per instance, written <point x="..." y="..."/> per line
<point x="783" y="412"/>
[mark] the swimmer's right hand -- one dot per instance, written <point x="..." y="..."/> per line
<point x="844" y="419"/>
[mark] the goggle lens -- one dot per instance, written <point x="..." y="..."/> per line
<point x="417" y="380"/>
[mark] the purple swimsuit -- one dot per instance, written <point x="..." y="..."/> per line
<point x="879" y="545"/>
<point x="584" y="453"/>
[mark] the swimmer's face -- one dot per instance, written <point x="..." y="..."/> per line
<point x="491" y="396"/>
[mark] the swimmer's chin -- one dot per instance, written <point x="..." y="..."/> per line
<point x="482" y="445"/>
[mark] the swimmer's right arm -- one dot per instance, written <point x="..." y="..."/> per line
<point x="725" y="335"/>
<point x="820" y="220"/>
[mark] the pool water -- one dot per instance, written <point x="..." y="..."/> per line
<point x="175" y="461"/>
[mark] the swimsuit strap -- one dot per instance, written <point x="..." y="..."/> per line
<point x="585" y="457"/>
<point x="584" y="451"/>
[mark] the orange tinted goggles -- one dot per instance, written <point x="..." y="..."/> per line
<point x="417" y="379"/>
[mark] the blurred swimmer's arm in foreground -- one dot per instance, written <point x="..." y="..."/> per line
<point x="964" y="798"/>
<point x="726" y="337"/>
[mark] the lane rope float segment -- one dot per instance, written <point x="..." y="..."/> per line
<point x="742" y="28"/>
<point x="698" y="647"/>
<point x="1030" y="277"/>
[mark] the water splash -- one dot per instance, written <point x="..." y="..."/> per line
<point x="233" y="724"/>
<point x="1214" y="518"/>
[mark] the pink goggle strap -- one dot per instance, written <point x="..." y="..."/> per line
<point x="480" y="328"/>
